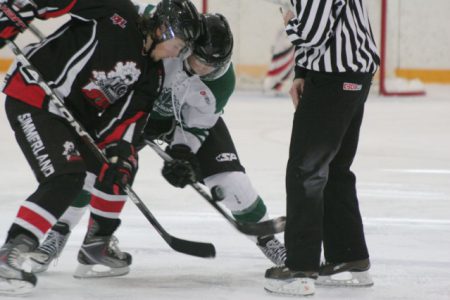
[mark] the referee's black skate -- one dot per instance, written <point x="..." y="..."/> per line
<point x="50" y="248"/>
<point x="281" y="280"/>
<point x="13" y="279"/>
<point x="100" y="256"/>
<point x="353" y="273"/>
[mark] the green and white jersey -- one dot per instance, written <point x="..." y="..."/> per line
<point x="142" y="7"/>
<point x="194" y="104"/>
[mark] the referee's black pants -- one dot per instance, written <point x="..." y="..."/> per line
<point x="322" y="205"/>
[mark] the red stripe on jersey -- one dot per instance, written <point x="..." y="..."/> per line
<point x="101" y="174"/>
<point x="120" y="130"/>
<point x="282" y="55"/>
<point x="60" y="12"/>
<point x="34" y="219"/>
<point x="8" y="32"/>
<point x="31" y="94"/>
<point x="281" y="68"/>
<point x="116" y="189"/>
<point x="107" y="206"/>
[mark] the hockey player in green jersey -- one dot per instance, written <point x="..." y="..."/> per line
<point x="187" y="116"/>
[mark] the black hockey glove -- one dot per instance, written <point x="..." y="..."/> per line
<point x="184" y="169"/>
<point x="14" y="18"/>
<point x="159" y="130"/>
<point x="123" y="165"/>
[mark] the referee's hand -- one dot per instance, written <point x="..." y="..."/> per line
<point x="296" y="91"/>
<point x="287" y="16"/>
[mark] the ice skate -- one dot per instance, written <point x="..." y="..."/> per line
<point x="100" y="256"/>
<point x="13" y="279"/>
<point x="354" y="273"/>
<point x="51" y="248"/>
<point x="273" y="249"/>
<point x="281" y="280"/>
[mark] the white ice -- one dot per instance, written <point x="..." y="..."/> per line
<point x="403" y="169"/>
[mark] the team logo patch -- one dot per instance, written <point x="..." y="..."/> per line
<point x="348" y="86"/>
<point x="105" y="88"/>
<point x="70" y="152"/>
<point x="222" y="157"/>
<point x="119" y="21"/>
<point x="204" y="94"/>
<point x="163" y="105"/>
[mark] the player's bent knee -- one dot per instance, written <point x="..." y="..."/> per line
<point x="58" y="192"/>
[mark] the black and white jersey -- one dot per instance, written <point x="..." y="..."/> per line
<point x="95" y="63"/>
<point x="333" y="36"/>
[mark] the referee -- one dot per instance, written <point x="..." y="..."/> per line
<point x="336" y="58"/>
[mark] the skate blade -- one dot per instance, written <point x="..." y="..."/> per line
<point x="38" y="267"/>
<point x="39" y="262"/>
<point x="14" y="287"/>
<point x="99" y="271"/>
<point x="292" y="287"/>
<point x="349" y="279"/>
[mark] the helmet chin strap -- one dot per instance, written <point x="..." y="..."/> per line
<point x="187" y="68"/>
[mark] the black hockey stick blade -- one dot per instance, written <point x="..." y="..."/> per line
<point x="267" y="227"/>
<point x="200" y="249"/>
<point x="272" y="226"/>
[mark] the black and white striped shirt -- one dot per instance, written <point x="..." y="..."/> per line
<point x="333" y="36"/>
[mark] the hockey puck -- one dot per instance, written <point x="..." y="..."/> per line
<point x="217" y="193"/>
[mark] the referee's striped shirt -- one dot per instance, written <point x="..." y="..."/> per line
<point x="333" y="36"/>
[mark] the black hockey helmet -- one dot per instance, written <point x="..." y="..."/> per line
<point x="215" y="46"/>
<point x="175" y="18"/>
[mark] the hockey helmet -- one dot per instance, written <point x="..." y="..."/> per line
<point x="175" y="18"/>
<point x="215" y="46"/>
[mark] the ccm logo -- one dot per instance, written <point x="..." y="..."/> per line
<point x="226" y="157"/>
<point x="118" y="20"/>
<point x="351" y="86"/>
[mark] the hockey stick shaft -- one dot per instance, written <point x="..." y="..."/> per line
<point x="184" y="246"/>
<point x="259" y="229"/>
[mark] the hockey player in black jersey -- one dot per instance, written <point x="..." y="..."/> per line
<point x="105" y="63"/>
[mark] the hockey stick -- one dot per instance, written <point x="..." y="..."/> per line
<point x="188" y="247"/>
<point x="259" y="229"/>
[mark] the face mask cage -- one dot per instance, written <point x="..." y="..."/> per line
<point x="168" y="32"/>
<point x="217" y="73"/>
<point x="218" y="69"/>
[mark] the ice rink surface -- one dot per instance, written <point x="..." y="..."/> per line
<point x="403" y="169"/>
